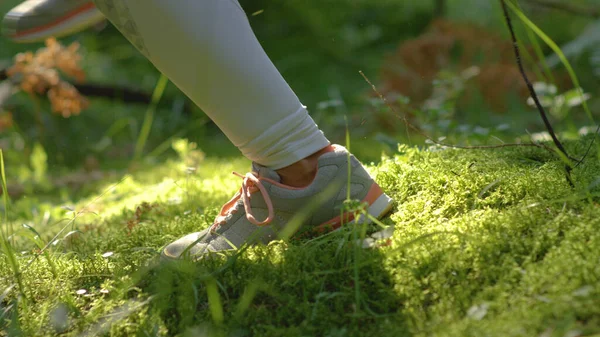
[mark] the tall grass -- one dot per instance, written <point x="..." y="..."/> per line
<point x="445" y="277"/>
<point x="8" y="231"/>
<point x="555" y="48"/>
<point x="159" y="89"/>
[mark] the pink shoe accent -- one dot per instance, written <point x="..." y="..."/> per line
<point x="251" y="184"/>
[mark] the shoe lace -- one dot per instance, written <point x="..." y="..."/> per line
<point x="250" y="184"/>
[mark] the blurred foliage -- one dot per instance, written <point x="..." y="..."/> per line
<point x="40" y="74"/>
<point x="462" y="79"/>
<point x="453" y="78"/>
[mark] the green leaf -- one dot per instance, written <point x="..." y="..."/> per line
<point x="214" y="301"/>
<point x="31" y="234"/>
<point x="575" y="97"/>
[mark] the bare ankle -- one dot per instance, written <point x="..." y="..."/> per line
<point x="302" y="172"/>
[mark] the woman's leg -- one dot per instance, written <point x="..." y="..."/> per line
<point x="207" y="48"/>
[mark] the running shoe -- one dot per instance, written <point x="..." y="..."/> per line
<point x="37" y="20"/>
<point x="264" y="209"/>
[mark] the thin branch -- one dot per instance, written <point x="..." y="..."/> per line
<point x="127" y="95"/>
<point x="528" y="83"/>
<point x="96" y="90"/>
<point x="589" y="147"/>
<point x="477" y="147"/>
<point x="568" y="165"/>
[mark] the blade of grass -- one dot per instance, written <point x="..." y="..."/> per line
<point x="71" y="221"/>
<point x="7" y="247"/>
<point x="296" y="222"/>
<point x="540" y="55"/>
<point x="529" y="58"/>
<point x="7" y="226"/>
<point x="214" y="301"/>
<point x="566" y="63"/>
<point x="247" y="296"/>
<point x="165" y="145"/>
<point x="349" y="164"/>
<point x="555" y="48"/>
<point x="149" y="117"/>
<point x="355" y="230"/>
<point x="103" y="325"/>
<point x="34" y="237"/>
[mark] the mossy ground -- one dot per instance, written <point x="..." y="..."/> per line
<point x="486" y="243"/>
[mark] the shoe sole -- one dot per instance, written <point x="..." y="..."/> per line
<point x="77" y="20"/>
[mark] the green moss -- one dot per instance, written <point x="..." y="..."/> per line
<point x="486" y="242"/>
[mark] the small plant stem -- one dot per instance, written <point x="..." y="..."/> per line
<point x="149" y="117"/>
<point x="567" y="159"/>
<point x="6" y="245"/>
<point x="528" y="83"/>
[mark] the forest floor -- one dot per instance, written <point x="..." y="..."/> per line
<point x="484" y="243"/>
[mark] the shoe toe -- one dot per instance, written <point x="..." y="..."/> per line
<point x="27" y="16"/>
<point x="10" y="24"/>
<point x="193" y="245"/>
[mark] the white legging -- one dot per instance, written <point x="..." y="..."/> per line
<point x="207" y="49"/>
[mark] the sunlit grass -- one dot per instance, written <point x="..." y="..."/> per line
<point x="488" y="242"/>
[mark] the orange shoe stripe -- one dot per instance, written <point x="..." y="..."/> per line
<point x="374" y="192"/>
<point x="84" y="8"/>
